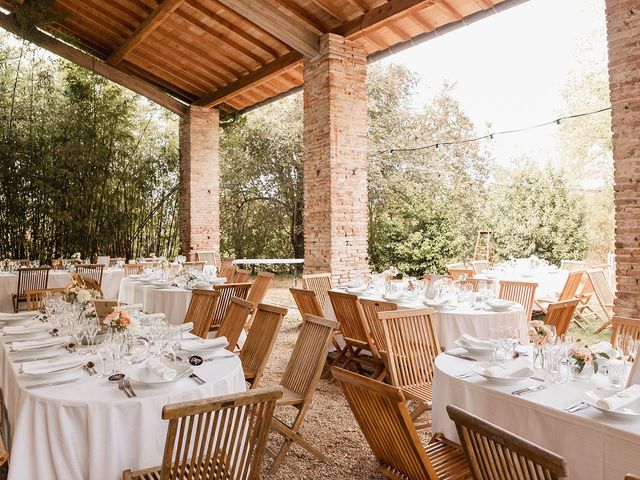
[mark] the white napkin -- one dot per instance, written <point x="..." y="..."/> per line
<point x="620" y="399"/>
<point x="470" y="341"/>
<point x="24" y="329"/>
<point x="159" y="369"/>
<point x="356" y="289"/>
<point x="13" y="317"/>
<point x="49" y="366"/>
<point x="603" y="347"/>
<point x="198" y="344"/>
<point x="186" y="327"/>
<point x="31" y="344"/>
<point x="507" y="369"/>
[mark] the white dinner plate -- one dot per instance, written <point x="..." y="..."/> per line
<point x="197" y="348"/>
<point x="631" y="411"/>
<point x="523" y="375"/>
<point x="500" y="305"/>
<point x="142" y="375"/>
<point x="473" y="350"/>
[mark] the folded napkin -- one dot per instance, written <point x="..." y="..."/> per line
<point x="198" y="344"/>
<point x="8" y="317"/>
<point x="24" y="329"/>
<point x="186" y="327"/>
<point x="620" y="399"/>
<point x="31" y="344"/>
<point x="470" y="341"/>
<point x="50" y="366"/>
<point x="157" y="368"/>
<point x="507" y="369"/>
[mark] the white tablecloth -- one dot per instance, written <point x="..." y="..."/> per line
<point x="9" y="286"/>
<point x="550" y="281"/>
<point x="89" y="430"/>
<point x="595" y="446"/>
<point x="111" y="278"/>
<point x="450" y="325"/>
<point x="173" y="302"/>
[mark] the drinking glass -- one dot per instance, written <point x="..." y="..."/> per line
<point x="495" y="337"/>
<point x="110" y="355"/>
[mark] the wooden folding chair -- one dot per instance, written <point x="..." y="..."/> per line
<point x="227" y="290"/>
<point x="114" y="261"/>
<point x="91" y="271"/>
<point x="104" y="307"/>
<point x="386" y="424"/>
<point x="35" y="298"/>
<point x="560" y="314"/>
<point x="300" y="380"/>
<point x="371" y="308"/>
<point x="523" y="293"/>
<point x="604" y="295"/>
<point x="241" y="276"/>
<point x="624" y="326"/>
<point x="571" y="265"/>
<point x="320" y="283"/>
<point x="217" y="261"/>
<point x="496" y="454"/>
<point x="457" y="273"/>
<point x="568" y="290"/>
<point x="260" y="341"/>
<point x="88" y="283"/>
<point x="412" y="347"/>
<point x="4" y="453"/>
<point x="356" y="333"/>
<point x="30" y="278"/>
<point x="227" y="271"/>
<point x="234" y="321"/>
<point x="472" y="282"/>
<point x="133" y="269"/>
<point x="208" y="257"/>
<point x="479" y="266"/>
<point x="195" y="266"/>
<point x="202" y="309"/>
<point x="307" y="302"/>
<point x="215" y="438"/>
<point x="584" y="310"/>
<point x="257" y="293"/>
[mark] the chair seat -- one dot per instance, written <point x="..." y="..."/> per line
<point x="154" y="473"/>
<point x="423" y="392"/>
<point x="289" y="398"/>
<point x="249" y="374"/>
<point x="447" y="459"/>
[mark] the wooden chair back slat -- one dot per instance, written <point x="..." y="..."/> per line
<point x="571" y="285"/>
<point x="624" y="326"/>
<point x="260" y="341"/>
<point x="602" y="289"/>
<point x="202" y="309"/>
<point x="571" y="265"/>
<point x="241" y="276"/>
<point x="456" y="273"/>
<point x="228" y="290"/>
<point x="220" y="437"/>
<point x="260" y="287"/>
<point x="234" y="320"/>
<point x="307" y="302"/>
<point x="133" y="269"/>
<point x="92" y="271"/>
<point x="371" y="308"/>
<point x="523" y="293"/>
<point x="227" y="271"/>
<point x="320" y="283"/>
<point x="104" y="307"/>
<point x="472" y="282"/>
<point x="412" y="345"/>
<point x="495" y="454"/>
<point x="355" y="329"/>
<point x="35" y="298"/>
<point x="387" y="426"/>
<point x="560" y="314"/>
<point x="30" y="278"/>
<point x="208" y="257"/>
<point x="196" y="266"/>
<point x="308" y="356"/>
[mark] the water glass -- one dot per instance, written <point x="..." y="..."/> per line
<point x="617" y="372"/>
<point x="111" y="357"/>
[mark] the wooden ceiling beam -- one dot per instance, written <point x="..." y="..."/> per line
<point x="449" y="10"/>
<point x="161" y="12"/>
<point x="249" y="81"/>
<point x="278" y="25"/>
<point x="96" y="66"/>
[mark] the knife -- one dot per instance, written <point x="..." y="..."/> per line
<point x="51" y="384"/>
<point x="458" y="355"/>
<point x="522" y="391"/>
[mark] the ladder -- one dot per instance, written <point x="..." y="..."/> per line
<point x="483" y="246"/>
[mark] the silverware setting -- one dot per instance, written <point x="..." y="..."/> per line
<point x="128" y="386"/>
<point x="197" y="379"/>
<point x="535" y="377"/>
<point x="576" y="407"/>
<point x="458" y="355"/>
<point x="71" y="347"/>
<point x="524" y="391"/>
<point x="51" y="384"/>
<point x="89" y="367"/>
<point x="466" y="374"/>
<point x="122" y="387"/>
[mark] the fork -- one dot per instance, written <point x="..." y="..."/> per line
<point x="197" y="379"/>
<point x="576" y="407"/>
<point x="122" y="387"/>
<point x="466" y="374"/>
<point x="127" y="384"/>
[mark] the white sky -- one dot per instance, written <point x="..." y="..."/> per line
<point x="508" y="70"/>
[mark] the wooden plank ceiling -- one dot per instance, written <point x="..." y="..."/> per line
<point x="236" y="53"/>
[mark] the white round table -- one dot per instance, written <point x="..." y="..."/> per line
<point x="173" y="301"/>
<point x="595" y="446"/>
<point x="9" y="286"/>
<point x="89" y="429"/>
<point x="550" y="281"/>
<point x="111" y="278"/>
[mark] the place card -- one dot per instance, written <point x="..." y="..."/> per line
<point x="634" y="375"/>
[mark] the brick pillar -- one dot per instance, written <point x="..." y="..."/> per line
<point x="199" y="182"/>
<point x="623" y="29"/>
<point x="335" y="159"/>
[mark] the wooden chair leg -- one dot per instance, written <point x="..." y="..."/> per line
<point x="605" y="325"/>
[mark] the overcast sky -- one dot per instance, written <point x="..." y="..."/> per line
<point x="508" y="69"/>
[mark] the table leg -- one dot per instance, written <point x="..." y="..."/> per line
<point x="295" y="271"/>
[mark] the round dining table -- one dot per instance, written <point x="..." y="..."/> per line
<point x="9" y="286"/>
<point x="550" y="279"/>
<point x="172" y="301"/>
<point x="89" y="429"/>
<point x="456" y="320"/>
<point x="595" y="445"/>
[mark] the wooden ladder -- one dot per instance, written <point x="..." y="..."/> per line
<point x="483" y="246"/>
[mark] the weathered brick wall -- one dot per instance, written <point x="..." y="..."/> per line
<point x="623" y="27"/>
<point x="335" y="163"/>
<point x="199" y="212"/>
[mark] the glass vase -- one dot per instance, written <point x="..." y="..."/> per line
<point x="538" y="357"/>
<point x="580" y="371"/>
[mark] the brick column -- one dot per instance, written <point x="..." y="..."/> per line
<point x="623" y="29"/>
<point x="199" y="182"/>
<point x="335" y="159"/>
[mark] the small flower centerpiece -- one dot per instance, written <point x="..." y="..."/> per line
<point x="539" y="335"/>
<point x="119" y="321"/>
<point x="390" y="274"/>
<point x="76" y="256"/>
<point x="582" y="361"/>
<point x="76" y="293"/>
